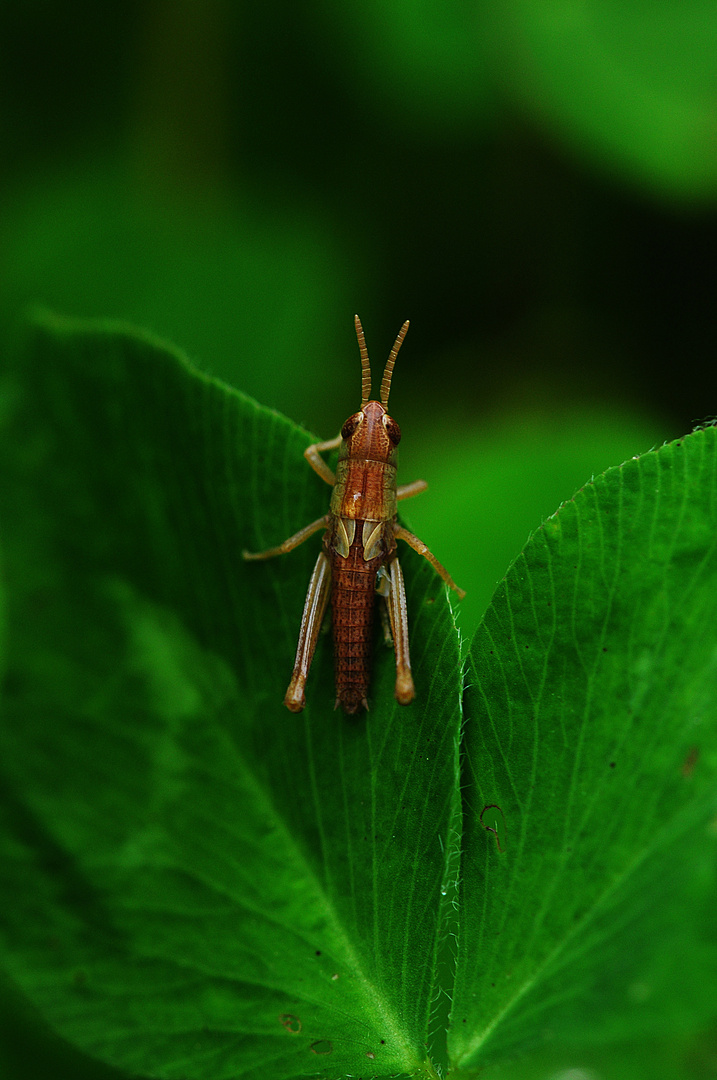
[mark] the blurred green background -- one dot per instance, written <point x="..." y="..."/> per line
<point x="533" y="183"/>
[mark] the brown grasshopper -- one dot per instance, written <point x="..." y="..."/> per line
<point x="358" y="557"/>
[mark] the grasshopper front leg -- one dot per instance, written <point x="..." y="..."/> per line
<point x="313" y="456"/>
<point x="407" y="491"/>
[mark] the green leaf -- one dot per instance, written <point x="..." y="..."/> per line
<point x="422" y="60"/>
<point x="211" y="886"/>
<point x="629" y="85"/>
<point x="195" y="883"/>
<point x="590" y="767"/>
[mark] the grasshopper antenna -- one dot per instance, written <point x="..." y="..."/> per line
<point x="386" y="381"/>
<point x="365" y="364"/>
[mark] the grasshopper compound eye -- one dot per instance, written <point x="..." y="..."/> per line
<point x="351" y="426"/>
<point x="392" y="429"/>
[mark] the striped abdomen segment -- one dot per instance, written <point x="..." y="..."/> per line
<point x="353" y="593"/>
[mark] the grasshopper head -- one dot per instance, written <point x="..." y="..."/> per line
<point x="371" y="432"/>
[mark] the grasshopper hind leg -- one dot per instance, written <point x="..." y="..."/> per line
<point x="398" y="619"/>
<point x="383" y="588"/>
<point x="317" y="599"/>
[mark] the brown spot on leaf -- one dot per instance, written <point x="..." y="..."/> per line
<point x="688" y="765"/>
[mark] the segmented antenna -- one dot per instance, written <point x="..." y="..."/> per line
<point x="365" y="364"/>
<point x="386" y="380"/>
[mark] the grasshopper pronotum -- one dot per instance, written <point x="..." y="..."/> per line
<point x="358" y="558"/>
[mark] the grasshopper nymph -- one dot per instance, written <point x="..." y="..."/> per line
<point x="358" y="557"/>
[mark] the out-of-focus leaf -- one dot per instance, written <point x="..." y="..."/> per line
<point x="243" y="283"/>
<point x="630" y="86"/>
<point x="423" y="60"/>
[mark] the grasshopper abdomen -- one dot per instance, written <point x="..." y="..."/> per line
<point x="353" y="595"/>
